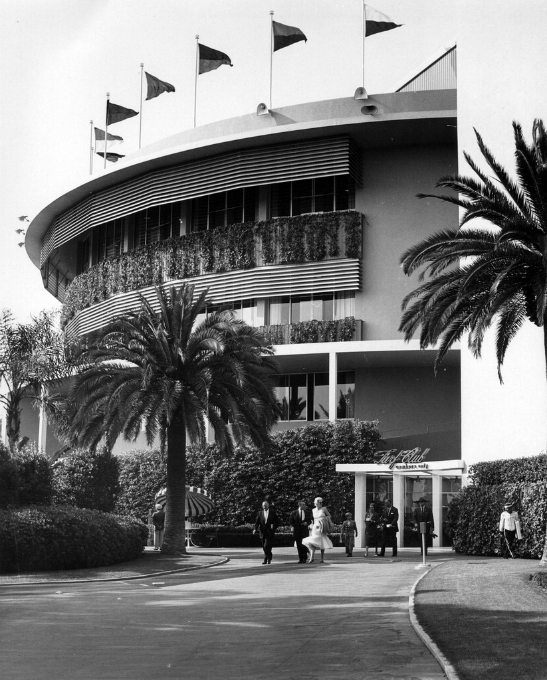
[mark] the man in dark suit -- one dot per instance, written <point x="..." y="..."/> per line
<point x="266" y="523"/>
<point x="390" y="521"/>
<point x="424" y="514"/>
<point x="300" y="520"/>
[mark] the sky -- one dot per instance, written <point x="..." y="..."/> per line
<point x="59" y="58"/>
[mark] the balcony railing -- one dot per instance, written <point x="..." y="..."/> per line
<point x="285" y="240"/>
<point x="340" y="330"/>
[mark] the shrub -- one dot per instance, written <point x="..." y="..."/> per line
<point x="9" y="478"/>
<point x="87" y="479"/>
<point x="35" y="476"/>
<point x="300" y="464"/>
<point x="48" y="538"/>
<point x="221" y="536"/>
<point x="474" y="515"/>
<point x="141" y="475"/>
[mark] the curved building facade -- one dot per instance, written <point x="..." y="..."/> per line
<point x="296" y="219"/>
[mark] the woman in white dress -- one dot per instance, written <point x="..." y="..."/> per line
<point x="318" y="539"/>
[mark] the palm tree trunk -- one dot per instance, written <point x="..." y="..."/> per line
<point x="13" y="421"/>
<point x="543" y="562"/>
<point x="174" y="541"/>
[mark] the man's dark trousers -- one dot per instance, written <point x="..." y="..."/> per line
<point x="300" y="530"/>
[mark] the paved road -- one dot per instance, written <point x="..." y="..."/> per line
<point x="345" y="619"/>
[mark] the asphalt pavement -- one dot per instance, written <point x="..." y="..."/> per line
<point x="347" y="618"/>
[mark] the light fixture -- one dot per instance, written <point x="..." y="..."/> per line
<point x="360" y="93"/>
<point x="262" y="110"/>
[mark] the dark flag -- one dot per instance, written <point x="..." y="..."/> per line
<point x="210" y="59"/>
<point x="116" y="113"/>
<point x="377" y="22"/>
<point x="156" y="86"/>
<point x="286" y="35"/>
<point x="114" y="157"/>
<point x="99" y="136"/>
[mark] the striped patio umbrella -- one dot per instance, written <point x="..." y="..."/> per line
<point x="198" y="501"/>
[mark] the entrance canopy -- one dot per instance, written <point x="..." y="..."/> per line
<point x="446" y="468"/>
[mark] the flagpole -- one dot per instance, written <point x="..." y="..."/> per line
<point x="90" y="147"/>
<point x="271" y="54"/>
<point x="364" y="33"/>
<point x="106" y="128"/>
<point x="140" y="119"/>
<point x="196" y="79"/>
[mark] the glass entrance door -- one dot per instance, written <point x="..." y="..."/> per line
<point x="415" y="488"/>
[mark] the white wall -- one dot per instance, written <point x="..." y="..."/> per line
<point x="502" y="70"/>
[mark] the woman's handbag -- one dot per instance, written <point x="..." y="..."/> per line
<point x="328" y="524"/>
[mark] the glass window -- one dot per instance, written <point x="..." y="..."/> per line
<point x="279" y="309"/>
<point x="451" y="486"/>
<point x="281" y="200"/>
<point x="345" y="390"/>
<point x="324" y="194"/>
<point x="415" y="488"/>
<point x="344" y="305"/>
<point x="109" y="239"/>
<point x="224" y="208"/>
<point x="302" y="197"/>
<point x="321" y="396"/>
<point x="344" y="193"/>
<point x="291" y="392"/>
<point x="379" y="489"/>
<point x="281" y="388"/>
<point x="301" y="309"/>
<point x="246" y="310"/>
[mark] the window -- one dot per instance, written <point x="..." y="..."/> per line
<point x="291" y="392"/>
<point x="157" y="224"/>
<point x="321" y="307"/>
<point x="450" y="489"/>
<point x="220" y="210"/>
<point x="297" y="392"/>
<point x="109" y="239"/>
<point x="322" y="194"/>
<point x="82" y="255"/>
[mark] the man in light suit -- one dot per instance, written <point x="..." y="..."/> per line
<point x="390" y="520"/>
<point x="300" y="520"/>
<point x="424" y="514"/>
<point x="266" y="523"/>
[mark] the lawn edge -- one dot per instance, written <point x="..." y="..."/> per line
<point x="444" y="663"/>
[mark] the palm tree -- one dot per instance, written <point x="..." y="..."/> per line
<point x="168" y="373"/>
<point x="494" y="274"/>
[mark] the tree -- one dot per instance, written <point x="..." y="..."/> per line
<point x="32" y="356"/>
<point x="169" y="373"/>
<point x="493" y="274"/>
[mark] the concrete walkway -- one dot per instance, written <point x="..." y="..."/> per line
<point x="346" y="619"/>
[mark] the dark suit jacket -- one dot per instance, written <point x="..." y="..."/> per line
<point x="391" y="517"/>
<point x="426" y="516"/>
<point x="298" y="529"/>
<point x="267" y="530"/>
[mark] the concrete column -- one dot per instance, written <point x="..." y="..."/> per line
<point x="360" y="506"/>
<point x="398" y="501"/>
<point x="42" y="425"/>
<point x="333" y="379"/>
<point x="437" y="508"/>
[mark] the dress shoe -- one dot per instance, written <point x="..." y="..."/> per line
<point x="269" y="561"/>
<point x="265" y="562"/>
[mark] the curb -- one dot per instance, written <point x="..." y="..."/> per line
<point x="447" y="667"/>
<point x="126" y="578"/>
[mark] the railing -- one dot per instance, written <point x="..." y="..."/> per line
<point x="340" y="330"/>
<point x="286" y="240"/>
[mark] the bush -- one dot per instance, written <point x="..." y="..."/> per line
<point x="87" y="479"/>
<point x="35" y="476"/>
<point x="9" y="479"/>
<point x="141" y="475"/>
<point x="474" y="515"/>
<point x="243" y="537"/>
<point x="300" y="464"/>
<point x="48" y="538"/>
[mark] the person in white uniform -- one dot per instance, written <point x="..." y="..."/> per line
<point x="508" y="530"/>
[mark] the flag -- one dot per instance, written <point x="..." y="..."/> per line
<point x="116" y="113"/>
<point x="156" y="86"/>
<point x="286" y="35"/>
<point x="99" y="136"/>
<point x="377" y="22"/>
<point x="210" y="59"/>
<point x="114" y="157"/>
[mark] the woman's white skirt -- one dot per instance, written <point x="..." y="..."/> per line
<point x="317" y="540"/>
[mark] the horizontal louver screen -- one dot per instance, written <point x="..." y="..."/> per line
<point x="300" y="279"/>
<point x="253" y="167"/>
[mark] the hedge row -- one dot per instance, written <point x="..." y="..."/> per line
<point x="474" y="515"/>
<point x="512" y="471"/>
<point x="49" y="538"/>
<point x="220" y="536"/>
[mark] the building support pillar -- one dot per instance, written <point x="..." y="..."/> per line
<point x="437" y="508"/>
<point x="333" y="381"/>
<point x="398" y="501"/>
<point x="42" y="423"/>
<point x="360" y="507"/>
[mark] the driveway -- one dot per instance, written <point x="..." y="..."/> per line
<point x="347" y="618"/>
